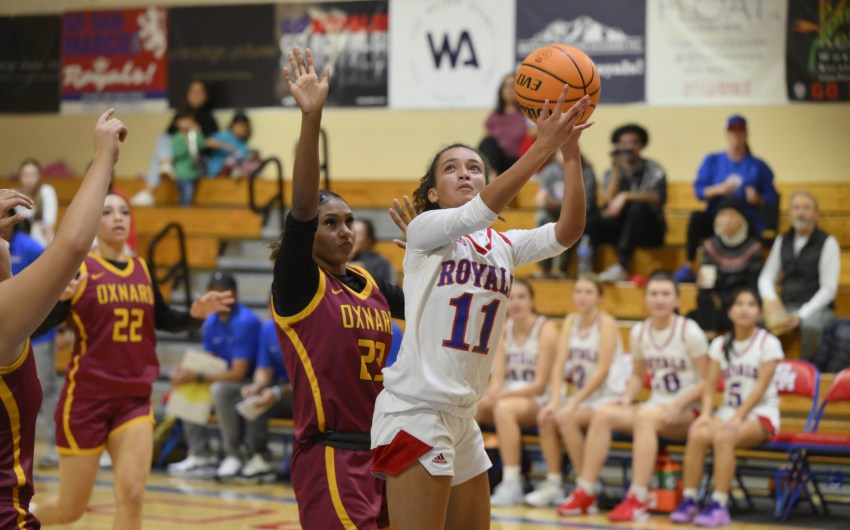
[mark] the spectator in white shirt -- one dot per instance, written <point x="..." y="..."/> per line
<point x="810" y="262"/>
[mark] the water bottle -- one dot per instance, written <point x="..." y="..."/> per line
<point x="585" y="255"/>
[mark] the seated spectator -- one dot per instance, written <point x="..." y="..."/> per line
<point x="232" y="336"/>
<point x="549" y="199"/>
<point x="518" y="385"/>
<point x="364" y="241"/>
<point x="731" y="259"/>
<point x="186" y="145"/>
<point x="40" y="221"/>
<point x="810" y="262"/>
<point x="634" y="191"/>
<point x="230" y="155"/>
<point x="505" y="128"/>
<point x="271" y="385"/>
<point x="734" y="172"/>
<point x="198" y="100"/>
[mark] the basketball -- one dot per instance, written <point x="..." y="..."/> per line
<point x="544" y="72"/>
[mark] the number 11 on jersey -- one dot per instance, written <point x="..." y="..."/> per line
<point x="462" y="305"/>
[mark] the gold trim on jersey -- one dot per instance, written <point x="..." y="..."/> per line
<point x="314" y="303"/>
<point x="14" y="414"/>
<point x="308" y="370"/>
<point x="95" y="451"/>
<point x="145" y="268"/>
<point x="330" y="469"/>
<point x="128" y="270"/>
<point x="81" y="288"/>
<point x="72" y="382"/>
<point x="370" y="282"/>
<point x="147" y="418"/>
<point x="20" y="360"/>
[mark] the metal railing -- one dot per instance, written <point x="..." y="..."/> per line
<point x="276" y="201"/>
<point x="178" y="273"/>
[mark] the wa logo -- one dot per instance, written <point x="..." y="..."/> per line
<point x="462" y="51"/>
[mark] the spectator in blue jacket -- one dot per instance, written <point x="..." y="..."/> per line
<point x="232" y="336"/>
<point x="734" y="172"/>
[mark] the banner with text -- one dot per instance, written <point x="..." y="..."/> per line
<point x="232" y="48"/>
<point x="712" y="52"/>
<point x="611" y="32"/>
<point x="29" y="64"/>
<point x="450" y="54"/>
<point x="114" y="58"/>
<point x="350" y="37"/>
<point x="819" y="50"/>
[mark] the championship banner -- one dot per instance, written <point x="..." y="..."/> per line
<point x="350" y="37"/>
<point x="29" y="64"/>
<point x="450" y="54"/>
<point x="232" y="48"/>
<point x="114" y="58"/>
<point x="818" y="50"/>
<point x="611" y="32"/>
<point x="715" y="52"/>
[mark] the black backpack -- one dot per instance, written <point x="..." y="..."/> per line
<point x="833" y="354"/>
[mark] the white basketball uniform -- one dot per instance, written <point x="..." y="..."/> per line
<point x="583" y="360"/>
<point x="741" y="373"/>
<point x="521" y="357"/>
<point x="669" y="355"/>
<point x="457" y="279"/>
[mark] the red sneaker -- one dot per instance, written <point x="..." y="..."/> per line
<point x="579" y="503"/>
<point x="631" y="509"/>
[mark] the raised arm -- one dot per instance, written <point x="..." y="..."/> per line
<point x="311" y="93"/>
<point x="26" y="299"/>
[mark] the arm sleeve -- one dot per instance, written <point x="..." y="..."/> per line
<point x="695" y="340"/>
<point x="296" y="275"/>
<point x="57" y="315"/>
<point x="531" y="246"/>
<point x="829" y="270"/>
<point x="770" y="271"/>
<point x="436" y="228"/>
<point x="394" y="295"/>
<point x="49" y="205"/>
<point x="772" y="350"/>
<point x="704" y="178"/>
<point x="167" y="318"/>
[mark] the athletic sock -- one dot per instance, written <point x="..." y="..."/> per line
<point x="720" y="498"/>
<point x="588" y="487"/>
<point x="641" y="492"/>
<point x="510" y="473"/>
<point x="554" y="478"/>
<point x="690" y="493"/>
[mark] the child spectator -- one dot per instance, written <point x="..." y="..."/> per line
<point x="186" y="145"/>
<point x="231" y="156"/>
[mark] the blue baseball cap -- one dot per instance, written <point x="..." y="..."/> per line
<point x="736" y="119"/>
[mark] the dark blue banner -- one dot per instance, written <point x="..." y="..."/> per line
<point x="611" y="32"/>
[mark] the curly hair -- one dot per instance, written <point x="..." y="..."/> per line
<point x="429" y="180"/>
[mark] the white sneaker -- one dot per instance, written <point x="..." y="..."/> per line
<point x="142" y="198"/>
<point x="193" y="467"/>
<point x="508" y="493"/>
<point x="228" y="469"/>
<point x="256" y="471"/>
<point x="546" y="493"/>
<point x="614" y="273"/>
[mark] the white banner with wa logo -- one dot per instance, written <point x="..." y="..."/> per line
<point x="449" y="53"/>
<point x="709" y="52"/>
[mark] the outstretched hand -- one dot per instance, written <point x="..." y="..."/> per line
<point x="109" y="132"/>
<point x="555" y="127"/>
<point x="10" y="199"/>
<point x="212" y="302"/>
<point x="402" y="215"/>
<point x="309" y="90"/>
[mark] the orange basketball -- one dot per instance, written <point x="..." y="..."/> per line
<point x="544" y="72"/>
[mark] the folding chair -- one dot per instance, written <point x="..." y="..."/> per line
<point x="800" y="445"/>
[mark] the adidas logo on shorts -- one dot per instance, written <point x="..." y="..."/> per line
<point x="439" y="459"/>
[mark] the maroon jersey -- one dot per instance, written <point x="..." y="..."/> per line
<point x="334" y="350"/>
<point x="113" y="319"/>
<point x="20" y="399"/>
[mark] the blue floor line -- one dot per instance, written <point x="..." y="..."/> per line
<point x="291" y="500"/>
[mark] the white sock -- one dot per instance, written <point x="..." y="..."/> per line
<point x="720" y="498"/>
<point x="690" y="493"/>
<point x="510" y="473"/>
<point x="588" y="487"/>
<point x="554" y="478"/>
<point x="641" y="492"/>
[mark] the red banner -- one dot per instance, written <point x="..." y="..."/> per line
<point x="114" y="57"/>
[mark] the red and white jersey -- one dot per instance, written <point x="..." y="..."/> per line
<point x="457" y="278"/>
<point x="741" y="371"/>
<point x="583" y="360"/>
<point x="521" y="357"/>
<point x="669" y="355"/>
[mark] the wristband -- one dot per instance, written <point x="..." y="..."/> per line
<point x="276" y="392"/>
